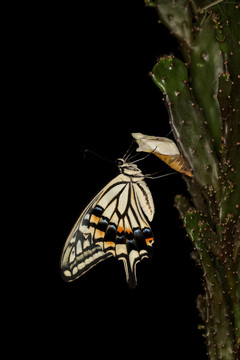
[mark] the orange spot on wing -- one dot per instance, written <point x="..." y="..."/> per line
<point x="149" y="241"/>
<point x="120" y="229"/>
<point x="94" y="219"/>
<point x="109" y="244"/>
<point x="99" y="234"/>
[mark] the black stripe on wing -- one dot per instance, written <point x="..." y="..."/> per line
<point x="80" y="252"/>
<point x="81" y="255"/>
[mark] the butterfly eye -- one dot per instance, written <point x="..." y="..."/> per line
<point x="119" y="162"/>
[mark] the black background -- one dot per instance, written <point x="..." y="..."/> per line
<point x="89" y="88"/>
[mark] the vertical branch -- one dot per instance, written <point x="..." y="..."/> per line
<point x="202" y="96"/>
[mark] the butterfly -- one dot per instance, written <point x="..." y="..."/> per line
<point x="115" y="223"/>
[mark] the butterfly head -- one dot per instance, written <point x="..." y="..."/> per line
<point x="129" y="169"/>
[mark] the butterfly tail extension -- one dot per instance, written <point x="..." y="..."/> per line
<point x="133" y="245"/>
<point x="137" y="232"/>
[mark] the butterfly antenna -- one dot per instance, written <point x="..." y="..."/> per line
<point x="129" y="151"/>
<point x="97" y="155"/>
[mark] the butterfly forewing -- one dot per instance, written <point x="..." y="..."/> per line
<point x="115" y="223"/>
<point x="80" y="252"/>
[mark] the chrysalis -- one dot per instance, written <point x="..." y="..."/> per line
<point x="165" y="149"/>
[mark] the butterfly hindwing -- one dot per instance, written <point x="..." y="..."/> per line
<point x="134" y="236"/>
<point x="114" y="224"/>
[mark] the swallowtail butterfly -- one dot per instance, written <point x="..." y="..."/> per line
<point x="115" y="223"/>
